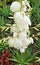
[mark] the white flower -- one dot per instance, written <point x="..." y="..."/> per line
<point x="22" y="50"/>
<point x="31" y="40"/>
<point x="18" y="18"/>
<point x="24" y="7"/>
<point x="15" y="34"/>
<point x="23" y="35"/>
<point x="27" y="21"/>
<point x="27" y="3"/>
<point x="15" y="6"/>
<point x="20" y="28"/>
<point x="18" y="43"/>
<point x="26" y="27"/>
<point x="11" y="42"/>
<point x="14" y="28"/>
<point x="27" y="42"/>
<point x="21" y="20"/>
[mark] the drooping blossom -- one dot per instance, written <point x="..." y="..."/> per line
<point x="20" y="28"/>
<point x="15" y="6"/>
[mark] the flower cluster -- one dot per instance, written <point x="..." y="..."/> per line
<point x="4" y="58"/>
<point x="20" y="28"/>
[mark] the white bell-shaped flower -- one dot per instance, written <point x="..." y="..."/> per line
<point x="15" y="6"/>
<point x="18" y="17"/>
<point x="26" y="27"/>
<point x="23" y="35"/>
<point x="27" y="42"/>
<point x="31" y="40"/>
<point x="22" y="50"/>
<point x="18" y="43"/>
<point x="11" y="42"/>
<point x="20" y="27"/>
<point x="27" y="21"/>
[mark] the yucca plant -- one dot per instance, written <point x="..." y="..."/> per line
<point x="32" y="53"/>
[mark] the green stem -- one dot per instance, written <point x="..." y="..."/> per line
<point x="21" y="4"/>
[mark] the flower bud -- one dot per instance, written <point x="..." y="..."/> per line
<point x="15" y="6"/>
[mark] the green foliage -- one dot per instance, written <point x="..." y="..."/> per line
<point x="5" y="11"/>
<point x="19" y="58"/>
<point x="1" y="3"/>
<point x="35" y="15"/>
<point x="1" y="21"/>
<point x="3" y="46"/>
<point x="35" y="18"/>
<point x="23" y="59"/>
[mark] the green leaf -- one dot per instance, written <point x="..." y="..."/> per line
<point x="5" y="11"/>
<point x="1" y="21"/>
<point x="1" y="3"/>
